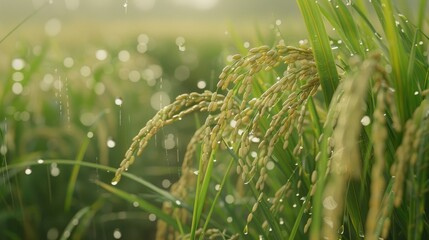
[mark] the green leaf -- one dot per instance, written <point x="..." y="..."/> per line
<point x="143" y="204"/>
<point x="74" y="174"/>
<point x="321" y="48"/>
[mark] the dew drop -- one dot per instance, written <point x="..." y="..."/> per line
<point x="229" y="199"/>
<point x="294" y="205"/>
<point x="117" y="233"/>
<point x="365" y="121"/>
<point x="281" y="222"/>
<point x="229" y="219"/>
<point x="40" y="161"/>
<point x="17" y="88"/>
<point x="166" y="183"/>
<point x="55" y="171"/>
<point x="85" y="71"/>
<point x="416" y="93"/>
<point x="233" y="123"/>
<point x="110" y="143"/>
<point x="28" y="171"/>
<point x="255" y="139"/>
<point x="201" y="84"/>
<point x="136" y="204"/>
<point x="196" y="172"/>
<point x="118" y="101"/>
<point x="114" y="183"/>
<point x="341" y="229"/>
<point x="152" y="217"/>
<point x="101" y="54"/>
<point x="330" y="203"/>
<point x="68" y="62"/>
<point x="134" y="76"/>
<point x="246" y="230"/>
<point x="178" y="203"/>
<point x="270" y="165"/>
<point x="217" y="187"/>
<point x="124" y="56"/>
<point x="90" y="134"/>
<point x="75" y="221"/>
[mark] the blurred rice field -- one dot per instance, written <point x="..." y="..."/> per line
<point x="78" y="83"/>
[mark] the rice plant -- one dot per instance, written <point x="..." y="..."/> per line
<point x="324" y="140"/>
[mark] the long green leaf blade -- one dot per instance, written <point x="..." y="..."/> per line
<point x="321" y="48"/>
<point x="142" y="204"/>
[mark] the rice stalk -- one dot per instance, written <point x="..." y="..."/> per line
<point x="346" y="160"/>
<point x="407" y="152"/>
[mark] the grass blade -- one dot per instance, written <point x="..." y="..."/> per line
<point x="23" y="21"/>
<point x="215" y="200"/>
<point x="72" y="224"/>
<point x="74" y="174"/>
<point x="142" y="204"/>
<point x="23" y="165"/>
<point x="321" y="48"/>
<point x="201" y="193"/>
<point x="399" y="61"/>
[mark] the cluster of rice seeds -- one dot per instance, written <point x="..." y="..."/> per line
<point x="299" y="82"/>
<point x="277" y="204"/>
<point x="407" y="152"/>
<point x="379" y="134"/>
<point x="211" y="234"/>
<point x="254" y="209"/>
<point x="378" y="206"/>
<point x="345" y="162"/>
<point x="182" y="106"/>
